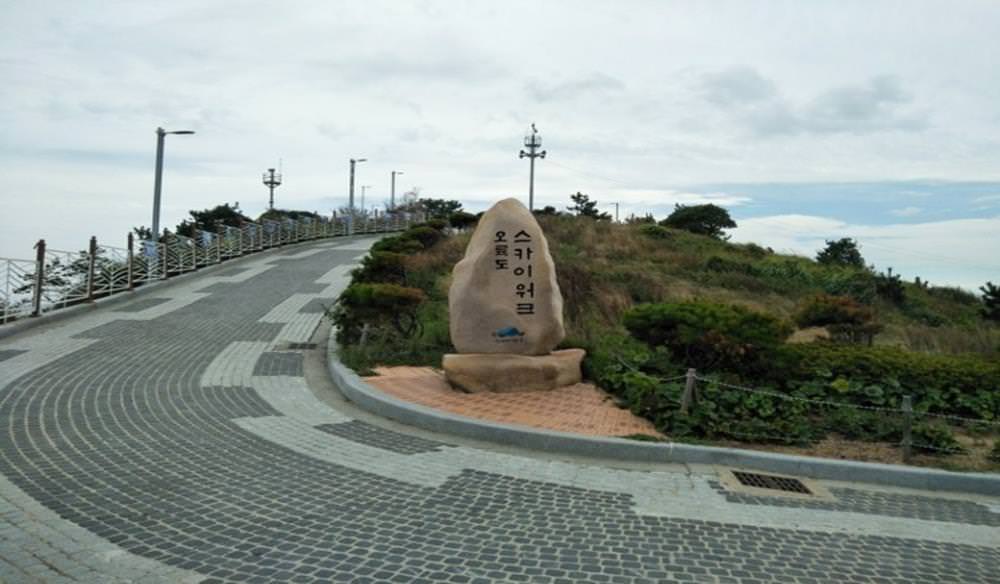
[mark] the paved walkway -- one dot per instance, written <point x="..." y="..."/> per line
<point x="175" y="439"/>
<point x="580" y="408"/>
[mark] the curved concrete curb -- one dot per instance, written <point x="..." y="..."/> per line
<point x="376" y="402"/>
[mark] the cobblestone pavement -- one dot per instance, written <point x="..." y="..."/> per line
<point x="175" y="439"/>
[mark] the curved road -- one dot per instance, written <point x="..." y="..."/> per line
<point x="174" y="438"/>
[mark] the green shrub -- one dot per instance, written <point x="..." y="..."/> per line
<point x="461" y="220"/>
<point x="654" y="231"/>
<point x="437" y="224"/>
<point x="722" y="264"/>
<point x="381" y="266"/>
<point x="964" y="385"/>
<point x="426" y="235"/>
<point x="706" y="335"/>
<point x="994" y="454"/>
<point x="376" y="304"/>
<point x="935" y="438"/>
<point x="398" y="244"/>
<point x="845" y="319"/>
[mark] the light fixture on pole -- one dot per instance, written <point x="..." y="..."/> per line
<point x="616" y="211"/>
<point x="364" y="188"/>
<point x="271" y="181"/>
<point x="392" y="190"/>
<point x="532" y="142"/>
<point x="158" y="180"/>
<point x="354" y="161"/>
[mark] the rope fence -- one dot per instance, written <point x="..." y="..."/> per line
<point x="58" y="279"/>
<point x="694" y="385"/>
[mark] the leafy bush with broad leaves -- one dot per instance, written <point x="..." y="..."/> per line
<point x="964" y="385"/>
<point x="707" y="335"/>
<point x="375" y="305"/>
<point x="935" y="438"/>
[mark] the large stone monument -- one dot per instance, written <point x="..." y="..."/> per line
<point x="505" y="309"/>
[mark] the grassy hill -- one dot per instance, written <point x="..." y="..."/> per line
<point x="934" y="345"/>
<point x="606" y="268"/>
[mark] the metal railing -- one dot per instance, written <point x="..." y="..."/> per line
<point x="58" y="278"/>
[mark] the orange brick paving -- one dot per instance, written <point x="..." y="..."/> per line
<point x="580" y="408"/>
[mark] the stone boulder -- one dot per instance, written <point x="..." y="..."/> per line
<point x="476" y="373"/>
<point x="504" y="297"/>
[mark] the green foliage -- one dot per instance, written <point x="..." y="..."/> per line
<point x="293" y="214"/>
<point x="991" y="301"/>
<point x="427" y="235"/>
<point x="462" y="220"/>
<point x="547" y="211"/>
<point x="845" y="319"/>
<point x="646" y="219"/>
<point x="707" y="335"/>
<point x="946" y="384"/>
<point x="708" y="220"/>
<point x="209" y="219"/>
<point x="935" y="438"/>
<point x="398" y="244"/>
<point x="376" y="304"/>
<point x="381" y="266"/>
<point x="842" y="252"/>
<point x="441" y="208"/>
<point x="890" y="287"/>
<point x="584" y="207"/>
<point x="994" y="454"/>
<point x="654" y="231"/>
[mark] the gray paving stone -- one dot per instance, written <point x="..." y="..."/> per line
<point x="121" y="439"/>
<point x="141" y="304"/>
<point x="365" y="433"/>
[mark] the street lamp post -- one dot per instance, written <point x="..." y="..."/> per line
<point x="616" y="211"/>
<point x="354" y="161"/>
<point x="532" y="142"/>
<point x="158" y="180"/>
<point x="364" y="188"/>
<point x="392" y="190"/>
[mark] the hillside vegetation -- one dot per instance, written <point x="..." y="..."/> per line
<point x="931" y="343"/>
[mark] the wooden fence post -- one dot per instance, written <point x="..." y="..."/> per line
<point x="689" y="397"/>
<point x="907" y="428"/>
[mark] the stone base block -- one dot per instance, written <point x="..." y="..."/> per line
<point x="503" y="373"/>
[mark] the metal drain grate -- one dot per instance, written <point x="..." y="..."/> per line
<point x="762" y="481"/>
<point x="301" y="346"/>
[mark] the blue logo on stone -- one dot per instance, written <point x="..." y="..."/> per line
<point x="507" y="332"/>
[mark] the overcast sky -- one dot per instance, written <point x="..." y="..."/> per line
<point x="807" y="120"/>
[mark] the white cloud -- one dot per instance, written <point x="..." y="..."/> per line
<point x="962" y="252"/>
<point x="907" y="211"/>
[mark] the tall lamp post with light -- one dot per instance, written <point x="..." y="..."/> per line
<point x="392" y="190"/>
<point x="350" y="205"/>
<point x="158" y="181"/>
<point x="532" y="142"/>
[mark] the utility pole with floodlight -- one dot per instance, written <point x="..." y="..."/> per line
<point x="532" y="142"/>
<point x="158" y="180"/>
<point x="272" y="180"/>
<point x="392" y="190"/>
